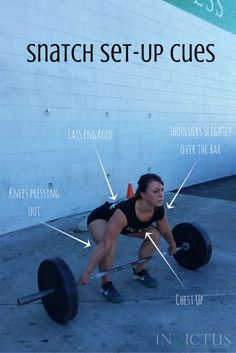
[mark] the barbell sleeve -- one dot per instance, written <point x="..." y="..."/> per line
<point x="35" y="296"/>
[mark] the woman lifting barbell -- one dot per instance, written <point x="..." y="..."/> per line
<point x="134" y="217"/>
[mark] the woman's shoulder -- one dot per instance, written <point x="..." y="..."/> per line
<point x="159" y="212"/>
<point x="126" y="204"/>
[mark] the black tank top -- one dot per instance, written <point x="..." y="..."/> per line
<point x="134" y="225"/>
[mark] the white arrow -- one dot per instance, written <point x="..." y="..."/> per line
<point x="87" y="245"/>
<point x="147" y="235"/>
<point x="113" y="197"/>
<point x="170" y="205"/>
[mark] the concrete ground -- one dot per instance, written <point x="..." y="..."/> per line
<point x="223" y="188"/>
<point x="149" y="320"/>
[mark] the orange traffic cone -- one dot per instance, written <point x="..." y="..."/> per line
<point x="130" y="192"/>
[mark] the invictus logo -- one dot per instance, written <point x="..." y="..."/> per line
<point x="193" y="339"/>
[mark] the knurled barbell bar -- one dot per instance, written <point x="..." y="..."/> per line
<point x="58" y="288"/>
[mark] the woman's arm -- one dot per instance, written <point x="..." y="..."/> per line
<point x="165" y="231"/>
<point x="114" y="226"/>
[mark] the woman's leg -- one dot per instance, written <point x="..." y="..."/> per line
<point x="97" y="229"/>
<point x="147" y="248"/>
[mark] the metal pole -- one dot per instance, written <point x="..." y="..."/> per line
<point x="35" y="296"/>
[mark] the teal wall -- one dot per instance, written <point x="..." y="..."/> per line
<point x="221" y="13"/>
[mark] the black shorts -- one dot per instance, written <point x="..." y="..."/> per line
<point x="101" y="212"/>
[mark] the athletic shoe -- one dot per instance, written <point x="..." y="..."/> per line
<point x="144" y="277"/>
<point x="110" y="293"/>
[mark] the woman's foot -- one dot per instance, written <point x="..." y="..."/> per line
<point x="144" y="277"/>
<point x="110" y="293"/>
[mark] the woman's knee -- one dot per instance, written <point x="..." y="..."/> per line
<point x="97" y="229"/>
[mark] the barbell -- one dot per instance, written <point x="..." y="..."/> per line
<point x="58" y="288"/>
